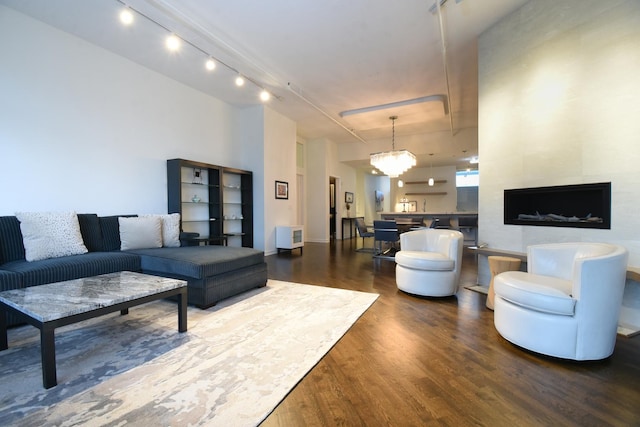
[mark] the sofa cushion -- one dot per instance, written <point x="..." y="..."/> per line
<point x="140" y="233"/>
<point x="11" y="246"/>
<point x="536" y="292"/>
<point x="197" y="261"/>
<point x="91" y="233"/>
<point x="72" y="267"/>
<point x="425" y="260"/>
<point x="50" y="234"/>
<point x="110" y="229"/>
<point x="170" y="228"/>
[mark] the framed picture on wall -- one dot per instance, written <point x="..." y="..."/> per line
<point x="348" y="197"/>
<point x="379" y="199"/>
<point x="282" y="190"/>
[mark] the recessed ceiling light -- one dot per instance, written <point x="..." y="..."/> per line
<point x="265" y="96"/>
<point x="239" y="81"/>
<point x="210" y="64"/>
<point x="173" y="43"/>
<point x="126" y="17"/>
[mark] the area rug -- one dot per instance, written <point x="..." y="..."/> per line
<point x="232" y="367"/>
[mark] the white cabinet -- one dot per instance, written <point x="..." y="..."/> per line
<point x="289" y="237"/>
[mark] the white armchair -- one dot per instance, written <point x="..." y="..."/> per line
<point x="429" y="262"/>
<point x="567" y="304"/>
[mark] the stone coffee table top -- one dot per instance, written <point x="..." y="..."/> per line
<point x="63" y="299"/>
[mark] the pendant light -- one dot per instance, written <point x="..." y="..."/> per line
<point x="431" y="180"/>
<point x="395" y="162"/>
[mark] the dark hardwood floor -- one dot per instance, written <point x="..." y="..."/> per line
<point x="412" y="361"/>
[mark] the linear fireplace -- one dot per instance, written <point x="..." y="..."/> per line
<point x="579" y="206"/>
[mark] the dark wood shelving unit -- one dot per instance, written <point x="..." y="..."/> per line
<point x="214" y="201"/>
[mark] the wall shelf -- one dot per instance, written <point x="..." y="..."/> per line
<point x="437" y="181"/>
<point x="435" y="193"/>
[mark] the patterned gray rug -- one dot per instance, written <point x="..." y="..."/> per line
<point x="237" y="361"/>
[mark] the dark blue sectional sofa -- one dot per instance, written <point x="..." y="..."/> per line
<point x="212" y="272"/>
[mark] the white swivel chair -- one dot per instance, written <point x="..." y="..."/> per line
<point x="567" y="304"/>
<point x="429" y="262"/>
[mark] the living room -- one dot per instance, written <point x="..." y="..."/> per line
<point x="87" y="130"/>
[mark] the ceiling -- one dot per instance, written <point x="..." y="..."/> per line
<point x="319" y="59"/>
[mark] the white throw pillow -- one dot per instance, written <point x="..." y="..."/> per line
<point x="50" y="234"/>
<point x="140" y="233"/>
<point x="170" y="229"/>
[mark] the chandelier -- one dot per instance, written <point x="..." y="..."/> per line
<point x="395" y="162"/>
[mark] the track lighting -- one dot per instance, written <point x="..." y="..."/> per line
<point x="174" y="42"/>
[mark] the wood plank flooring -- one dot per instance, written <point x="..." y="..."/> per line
<point x="412" y="361"/>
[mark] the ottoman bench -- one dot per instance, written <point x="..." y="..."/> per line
<point x="213" y="273"/>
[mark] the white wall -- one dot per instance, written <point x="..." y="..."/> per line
<point x="279" y="165"/>
<point x="373" y="183"/>
<point x="83" y="129"/>
<point x="558" y="99"/>
<point x="317" y="193"/>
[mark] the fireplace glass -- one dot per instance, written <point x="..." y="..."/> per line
<point x="579" y="206"/>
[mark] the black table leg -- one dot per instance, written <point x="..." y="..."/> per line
<point x="48" y="351"/>
<point x="182" y="310"/>
<point x="4" y="342"/>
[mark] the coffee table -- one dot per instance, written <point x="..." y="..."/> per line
<point x="53" y="305"/>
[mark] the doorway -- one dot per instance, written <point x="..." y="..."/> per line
<point x="332" y="209"/>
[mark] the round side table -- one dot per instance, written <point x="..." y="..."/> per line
<point x="497" y="265"/>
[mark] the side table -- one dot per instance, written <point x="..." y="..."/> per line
<point x="497" y="265"/>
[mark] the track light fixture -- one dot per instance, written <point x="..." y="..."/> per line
<point x="431" y="180"/>
<point x="174" y="42"/>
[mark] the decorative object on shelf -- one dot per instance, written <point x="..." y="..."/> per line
<point x="348" y="197"/>
<point x="195" y="199"/>
<point x="431" y="180"/>
<point x="413" y="206"/>
<point x="282" y="190"/>
<point x="404" y="204"/>
<point x="348" y="205"/>
<point x="197" y="176"/>
<point x="395" y="162"/>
